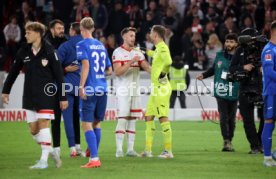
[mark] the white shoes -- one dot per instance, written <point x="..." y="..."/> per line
<point x="146" y="154"/>
<point x="132" y="153"/>
<point x="269" y="163"/>
<point x="56" y="157"/>
<point x="40" y="165"/>
<point x="165" y="154"/>
<point x="119" y="154"/>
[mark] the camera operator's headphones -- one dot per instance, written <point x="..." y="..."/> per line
<point x="249" y="31"/>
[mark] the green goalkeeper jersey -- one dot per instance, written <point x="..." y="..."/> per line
<point x="161" y="62"/>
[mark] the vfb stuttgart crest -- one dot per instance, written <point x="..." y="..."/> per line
<point x="44" y="62"/>
<point x="219" y="63"/>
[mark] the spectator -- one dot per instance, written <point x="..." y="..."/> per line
<point x="213" y="46"/>
<point x="118" y="20"/>
<point x="208" y="30"/>
<point x="186" y="42"/>
<point x="12" y="34"/>
<point x="79" y="11"/>
<point x="157" y="15"/>
<point x="147" y="44"/>
<point x="136" y="16"/>
<point x="99" y="14"/>
<point x="247" y="22"/>
<point x="173" y="42"/>
<point x="169" y="19"/>
<point x="196" y="26"/>
<point x="23" y="16"/>
<point x="196" y="56"/>
<point x="227" y="27"/>
<point x="110" y="45"/>
<point x="147" y="24"/>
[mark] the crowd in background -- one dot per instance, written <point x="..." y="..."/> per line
<point x="195" y="28"/>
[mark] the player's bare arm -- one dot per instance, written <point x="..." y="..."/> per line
<point x="146" y="66"/>
<point x="121" y="69"/>
<point x="108" y="71"/>
<point x="84" y="74"/>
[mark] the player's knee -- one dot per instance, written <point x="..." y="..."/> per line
<point x="269" y="121"/>
<point x="34" y="131"/>
<point x="96" y="124"/>
<point x="86" y="126"/>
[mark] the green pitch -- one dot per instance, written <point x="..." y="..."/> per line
<point x="196" y="146"/>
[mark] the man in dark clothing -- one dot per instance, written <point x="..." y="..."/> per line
<point x="225" y="92"/>
<point x="56" y="38"/>
<point x="249" y="89"/>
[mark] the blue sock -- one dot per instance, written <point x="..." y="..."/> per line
<point x="92" y="143"/>
<point x="267" y="138"/>
<point x="97" y="132"/>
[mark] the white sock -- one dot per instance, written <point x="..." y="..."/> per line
<point x="120" y="133"/>
<point x="94" y="159"/>
<point x="45" y="143"/>
<point x="78" y="147"/>
<point x="37" y="138"/>
<point x="73" y="149"/>
<point x="130" y="133"/>
<point x="267" y="157"/>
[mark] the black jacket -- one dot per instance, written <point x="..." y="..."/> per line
<point x="251" y="83"/>
<point x="55" y="42"/>
<point x="40" y="70"/>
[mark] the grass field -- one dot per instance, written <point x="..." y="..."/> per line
<point x="196" y="146"/>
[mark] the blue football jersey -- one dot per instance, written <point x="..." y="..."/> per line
<point x="95" y="52"/>
<point x="269" y="69"/>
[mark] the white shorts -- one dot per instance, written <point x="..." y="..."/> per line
<point x="33" y="116"/>
<point x="129" y="106"/>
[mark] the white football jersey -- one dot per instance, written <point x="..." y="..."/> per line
<point x="127" y="84"/>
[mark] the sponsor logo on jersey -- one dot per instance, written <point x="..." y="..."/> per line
<point x="268" y="57"/>
<point x="44" y="62"/>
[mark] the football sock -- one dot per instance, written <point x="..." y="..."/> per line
<point x="267" y="138"/>
<point x="78" y="147"/>
<point x="130" y="134"/>
<point x="73" y="149"/>
<point x="45" y="143"/>
<point x="120" y="133"/>
<point x="92" y="143"/>
<point x="97" y="132"/>
<point x="167" y="134"/>
<point x="150" y="129"/>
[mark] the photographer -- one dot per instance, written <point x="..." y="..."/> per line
<point x="246" y="68"/>
<point x="225" y="92"/>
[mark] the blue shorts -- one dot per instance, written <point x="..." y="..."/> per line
<point x="93" y="108"/>
<point x="269" y="107"/>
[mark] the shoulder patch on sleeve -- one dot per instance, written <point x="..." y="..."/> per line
<point x="268" y="57"/>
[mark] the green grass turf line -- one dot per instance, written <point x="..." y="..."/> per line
<point x="196" y="147"/>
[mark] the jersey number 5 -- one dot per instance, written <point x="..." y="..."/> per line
<point x="99" y="58"/>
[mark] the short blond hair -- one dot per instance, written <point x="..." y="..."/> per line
<point x="87" y="23"/>
<point x="36" y="26"/>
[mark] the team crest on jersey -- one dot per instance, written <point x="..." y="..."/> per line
<point x="219" y="63"/>
<point x="268" y="57"/>
<point x="44" y="62"/>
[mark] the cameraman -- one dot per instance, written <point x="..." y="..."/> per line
<point x="250" y="89"/>
<point x="225" y="92"/>
<point x="269" y="95"/>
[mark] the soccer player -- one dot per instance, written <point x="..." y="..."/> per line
<point x="93" y="87"/>
<point x="269" y="95"/>
<point x="71" y="66"/>
<point x="42" y="71"/>
<point x="159" y="100"/>
<point x="127" y="62"/>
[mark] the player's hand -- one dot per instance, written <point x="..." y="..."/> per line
<point x="71" y="68"/>
<point x="63" y="105"/>
<point x="135" y="59"/>
<point x="199" y="77"/>
<point x="82" y="93"/>
<point x="248" y="67"/>
<point x="5" y="98"/>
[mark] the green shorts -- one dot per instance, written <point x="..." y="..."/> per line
<point x="159" y="101"/>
